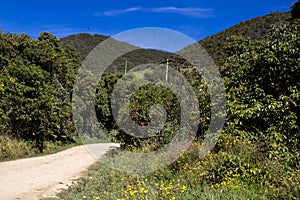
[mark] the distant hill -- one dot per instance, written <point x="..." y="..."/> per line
<point x="255" y="28"/>
<point x="84" y="43"/>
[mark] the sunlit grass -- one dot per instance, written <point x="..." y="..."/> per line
<point x="12" y="149"/>
<point x="184" y="179"/>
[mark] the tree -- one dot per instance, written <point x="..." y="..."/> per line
<point x="263" y="87"/>
<point x="35" y="88"/>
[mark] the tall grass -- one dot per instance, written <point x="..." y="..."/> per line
<point x="12" y="148"/>
<point x="184" y="179"/>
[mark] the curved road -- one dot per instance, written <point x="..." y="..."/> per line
<point x="34" y="178"/>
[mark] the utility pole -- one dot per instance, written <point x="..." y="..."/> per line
<point x="167" y="70"/>
<point x="126" y="67"/>
<point x="115" y="69"/>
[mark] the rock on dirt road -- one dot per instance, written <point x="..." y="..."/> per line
<point x="34" y="178"/>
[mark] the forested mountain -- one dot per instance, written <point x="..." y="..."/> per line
<point x="255" y="29"/>
<point x="84" y="43"/>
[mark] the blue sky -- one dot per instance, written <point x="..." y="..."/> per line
<point x="195" y="18"/>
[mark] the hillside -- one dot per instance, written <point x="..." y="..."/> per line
<point x="84" y="43"/>
<point x="255" y="29"/>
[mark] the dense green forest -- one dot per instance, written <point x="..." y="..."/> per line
<point x="35" y="87"/>
<point x="258" y="151"/>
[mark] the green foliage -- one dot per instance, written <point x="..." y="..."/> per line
<point x="35" y="85"/>
<point x="262" y="80"/>
<point x="12" y="148"/>
<point x="141" y="101"/>
<point x="231" y="174"/>
<point x="184" y="179"/>
<point x="257" y="154"/>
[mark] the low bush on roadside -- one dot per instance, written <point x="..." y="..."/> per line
<point x="12" y="148"/>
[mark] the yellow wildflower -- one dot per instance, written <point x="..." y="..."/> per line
<point x="184" y="188"/>
<point x="96" y="197"/>
<point x="129" y="188"/>
<point x="133" y="192"/>
<point x="143" y="190"/>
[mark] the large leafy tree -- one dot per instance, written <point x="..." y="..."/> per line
<point x="262" y="80"/>
<point x="35" y="86"/>
<point x="141" y="100"/>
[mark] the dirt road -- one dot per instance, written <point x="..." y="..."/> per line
<point x="34" y="178"/>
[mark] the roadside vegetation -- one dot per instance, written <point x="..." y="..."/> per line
<point x="12" y="148"/>
<point x="257" y="154"/>
<point x="36" y="79"/>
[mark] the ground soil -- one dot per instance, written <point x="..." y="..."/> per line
<point x="44" y="176"/>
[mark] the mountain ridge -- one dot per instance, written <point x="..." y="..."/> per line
<point x="256" y="28"/>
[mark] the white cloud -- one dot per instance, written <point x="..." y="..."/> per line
<point x="118" y="12"/>
<point x="187" y="11"/>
